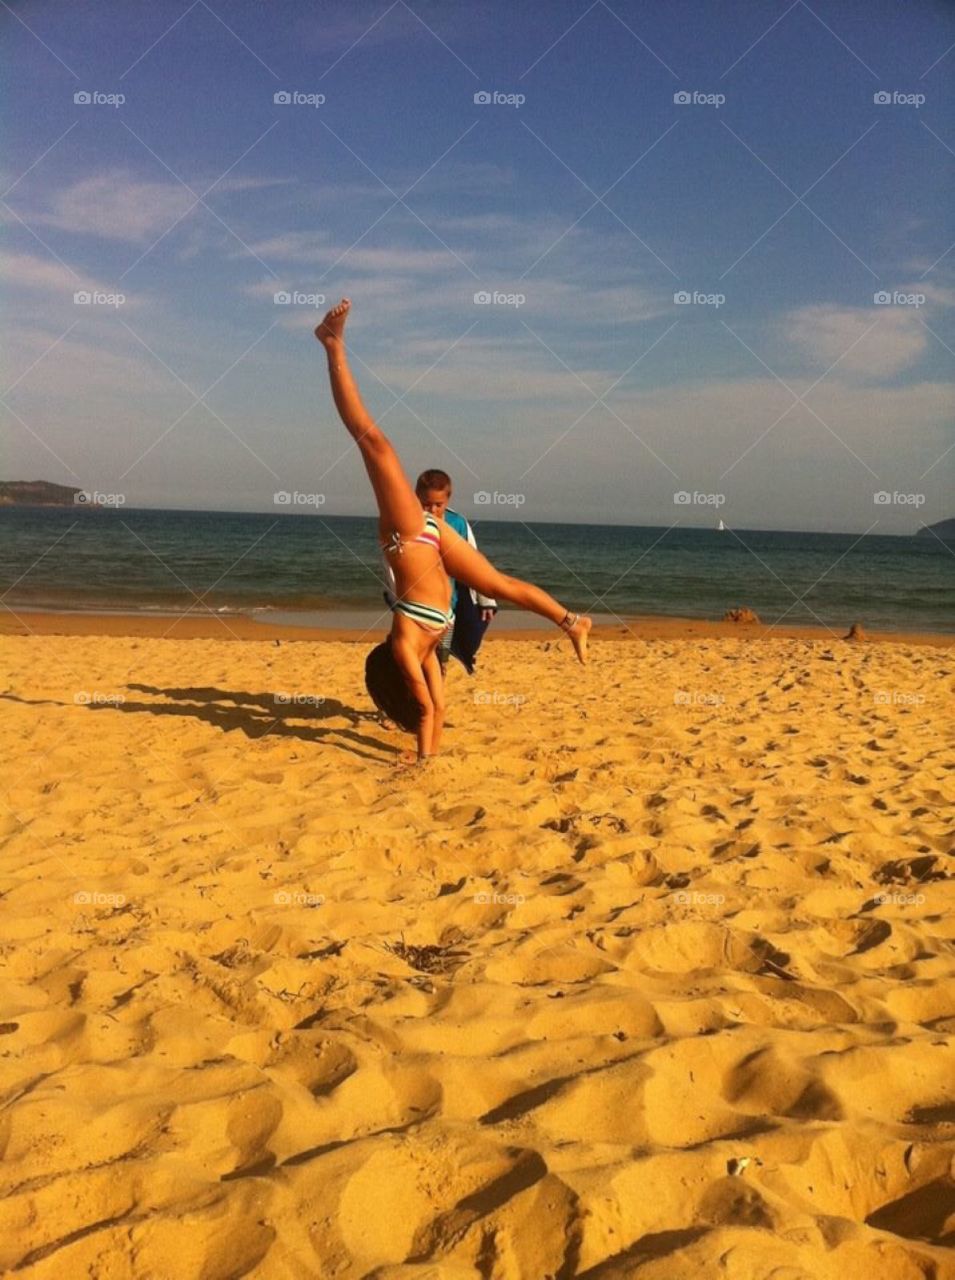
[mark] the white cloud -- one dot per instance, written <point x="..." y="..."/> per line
<point x="46" y="275"/>
<point x="264" y="289"/>
<point x="718" y="437"/>
<point x="871" y="342"/>
<point x="116" y="205"/>
<point x="937" y="294"/>
<point x="504" y="409"/>
<point x="71" y="366"/>
<point x="245" y="184"/>
<point x="410" y="320"/>
<point x="505" y="251"/>
<point x="316" y="247"/>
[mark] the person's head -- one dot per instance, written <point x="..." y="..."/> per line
<point x="389" y="689"/>
<point x="434" y="491"/>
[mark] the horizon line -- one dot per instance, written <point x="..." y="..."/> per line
<point x="305" y="515"/>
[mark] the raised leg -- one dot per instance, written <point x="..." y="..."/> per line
<point x="468" y="565"/>
<point x="398" y="507"/>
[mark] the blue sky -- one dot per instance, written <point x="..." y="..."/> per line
<point x="782" y="198"/>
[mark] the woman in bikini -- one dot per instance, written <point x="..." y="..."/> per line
<point x="402" y="674"/>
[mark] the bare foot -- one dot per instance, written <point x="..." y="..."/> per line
<point x="333" y="326"/>
<point x="578" y="636"/>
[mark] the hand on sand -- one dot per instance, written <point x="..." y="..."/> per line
<point x="333" y="326"/>
<point x="578" y="634"/>
<point x="408" y="759"/>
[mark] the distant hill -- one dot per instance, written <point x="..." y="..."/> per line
<point x="944" y="529"/>
<point x="36" y="493"/>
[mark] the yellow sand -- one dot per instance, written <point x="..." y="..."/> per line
<point x="271" y="1007"/>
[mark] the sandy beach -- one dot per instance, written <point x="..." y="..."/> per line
<point x="649" y="974"/>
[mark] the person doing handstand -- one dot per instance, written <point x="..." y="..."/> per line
<point x="402" y="674"/>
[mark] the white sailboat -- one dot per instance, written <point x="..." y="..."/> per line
<point x="721" y="527"/>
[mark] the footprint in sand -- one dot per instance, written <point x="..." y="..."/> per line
<point x="319" y="1065"/>
<point x="225" y="1130"/>
<point x="420" y="1200"/>
<point x="252" y="1119"/>
<point x="730" y="1202"/>
<point x="768" y="1082"/>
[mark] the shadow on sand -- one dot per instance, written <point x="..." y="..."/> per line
<point x="254" y="714"/>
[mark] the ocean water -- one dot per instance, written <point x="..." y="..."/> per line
<point x="170" y="561"/>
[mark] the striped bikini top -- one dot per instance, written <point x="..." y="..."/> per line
<point x="429" y="536"/>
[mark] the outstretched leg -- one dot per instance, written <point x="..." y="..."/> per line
<point x="398" y="507"/>
<point x="468" y="565"/>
